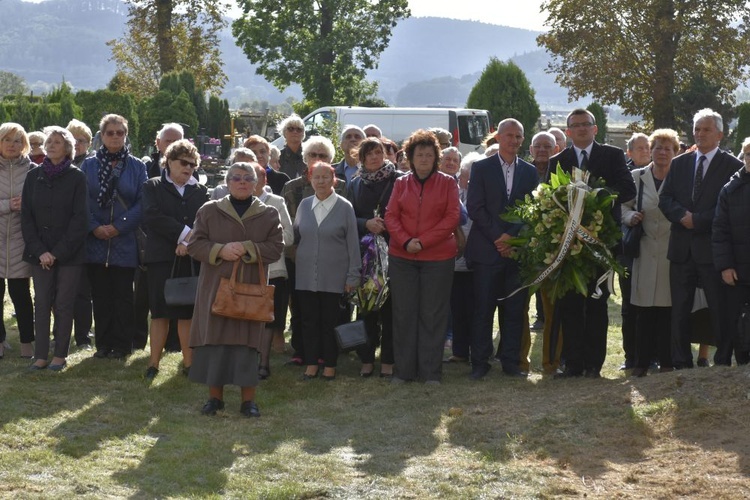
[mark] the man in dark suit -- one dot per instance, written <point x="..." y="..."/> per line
<point x="688" y="199"/>
<point x="496" y="183"/>
<point x="584" y="319"/>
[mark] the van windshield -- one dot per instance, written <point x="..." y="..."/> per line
<point x="472" y="129"/>
<point x="318" y="123"/>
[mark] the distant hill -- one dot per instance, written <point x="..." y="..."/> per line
<point x="429" y="61"/>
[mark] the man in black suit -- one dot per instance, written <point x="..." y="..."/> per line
<point x="584" y="319"/>
<point x="688" y="199"/>
<point x="496" y="183"/>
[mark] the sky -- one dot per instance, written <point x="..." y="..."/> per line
<point x="514" y="13"/>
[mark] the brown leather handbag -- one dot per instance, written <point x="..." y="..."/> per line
<point x="248" y="301"/>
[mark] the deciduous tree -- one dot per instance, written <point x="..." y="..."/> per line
<point x="168" y="35"/>
<point x="12" y="84"/>
<point x="505" y="92"/>
<point x="639" y="54"/>
<point x="325" y="46"/>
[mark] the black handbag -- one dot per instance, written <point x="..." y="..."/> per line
<point x="631" y="235"/>
<point x="351" y="335"/>
<point x="181" y="291"/>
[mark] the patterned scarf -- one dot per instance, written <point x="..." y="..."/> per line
<point x="106" y="184"/>
<point x="385" y="172"/>
<point x="52" y="170"/>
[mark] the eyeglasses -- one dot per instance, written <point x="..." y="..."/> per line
<point x="186" y="163"/>
<point x="238" y="178"/>
<point x="313" y="154"/>
<point x="118" y="133"/>
<point x="35" y="144"/>
<point x="295" y="129"/>
<point x="581" y="125"/>
<point x="82" y="141"/>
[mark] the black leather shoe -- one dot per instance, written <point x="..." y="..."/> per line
<point x="212" y="406"/>
<point x="118" y="355"/>
<point x="250" y="409"/>
<point x="478" y="372"/>
<point x="264" y="372"/>
<point x="639" y="372"/>
<point x="567" y="374"/>
<point x="305" y="377"/>
<point x="593" y="374"/>
<point x="101" y="353"/>
<point x="516" y="373"/>
<point x="151" y="373"/>
<point x="703" y="363"/>
<point x="366" y="374"/>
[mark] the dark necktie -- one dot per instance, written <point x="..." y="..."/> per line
<point x="698" y="178"/>
<point x="584" y="160"/>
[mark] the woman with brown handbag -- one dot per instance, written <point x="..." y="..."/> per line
<point x="237" y="227"/>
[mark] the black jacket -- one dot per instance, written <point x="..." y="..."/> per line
<point x="366" y="197"/>
<point x="54" y="216"/>
<point x="730" y="237"/>
<point x="276" y="180"/>
<point x="166" y="213"/>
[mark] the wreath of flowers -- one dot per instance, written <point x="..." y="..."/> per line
<point x="567" y="234"/>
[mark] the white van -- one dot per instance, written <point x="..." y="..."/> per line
<point x="468" y="126"/>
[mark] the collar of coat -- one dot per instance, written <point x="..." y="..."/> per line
<point x="256" y="207"/>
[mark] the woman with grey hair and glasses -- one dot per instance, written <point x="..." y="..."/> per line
<point x="237" y="227"/>
<point x="292" y="128"/>
<point x="54" y="222"/>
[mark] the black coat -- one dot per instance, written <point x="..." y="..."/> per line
<point x="54" y="216"/>
<point x="677" y="197"/>
<point x="276" y="180"/>
<point x="166" y="213"/>
<point x="730" y="238"/>
<point x="365" y="197"/>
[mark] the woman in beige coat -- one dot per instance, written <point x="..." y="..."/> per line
<point x="14" y="165"/>
<point x="225" y="350"/>
<point x="650" y="291"/>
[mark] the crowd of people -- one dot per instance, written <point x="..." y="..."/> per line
<point x="104" y="232"/>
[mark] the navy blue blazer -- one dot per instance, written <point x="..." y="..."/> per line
<point x="487" y="200"/>
<point x="677" y="197"/>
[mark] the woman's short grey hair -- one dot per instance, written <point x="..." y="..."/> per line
<point x="469" y="160"/>
<point x="275" y="153"/>
<point x="244" y="167"/>
<point x="453" y="149"/>
<point x="291" y="120"/>
<point x="170" y="126"/>
<point x="39" y="136"/>
<point x="315" y="142"/>
<point x="67" y="137"/>
<point x="246" y="152"/>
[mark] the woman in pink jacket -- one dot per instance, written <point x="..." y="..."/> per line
<point x="422" y="215"/>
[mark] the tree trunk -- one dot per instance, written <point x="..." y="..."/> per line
<point x="324" y="85"/>
<point x="164" y="39"/>
<point x="667" y="36"/>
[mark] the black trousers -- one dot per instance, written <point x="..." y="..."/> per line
<point x="320" y="312"/>
<point x="379" y="328"/>
<point x="736" y="296"/>
<point x="82" y="312"/>
<point x="684" y="278"/>
<point x="653" y="336"/>
<point x="584" y="321"/>
<point x="112" y="296"/>
<point x="20" y="294"/>
<point x="297" y="343"/>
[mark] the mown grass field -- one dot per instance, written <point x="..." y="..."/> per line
<point x="97" y="430"/>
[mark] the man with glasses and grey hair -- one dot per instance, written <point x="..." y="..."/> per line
<point x="349" y="141"/>
<point x="169" y="133"/>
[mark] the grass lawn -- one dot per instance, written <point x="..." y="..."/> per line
<point x="98" y="430"/>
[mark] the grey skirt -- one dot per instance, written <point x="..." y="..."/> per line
<point x="219" y="365"/>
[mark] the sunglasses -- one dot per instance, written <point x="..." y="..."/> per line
<point x="238" y="178"/>
<point x="186" y="163"/>
<point x="111" y="133"/>
<point x="36" y="144"/>
<point x="295" y="129"/>
<point x="313" y="154"/>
